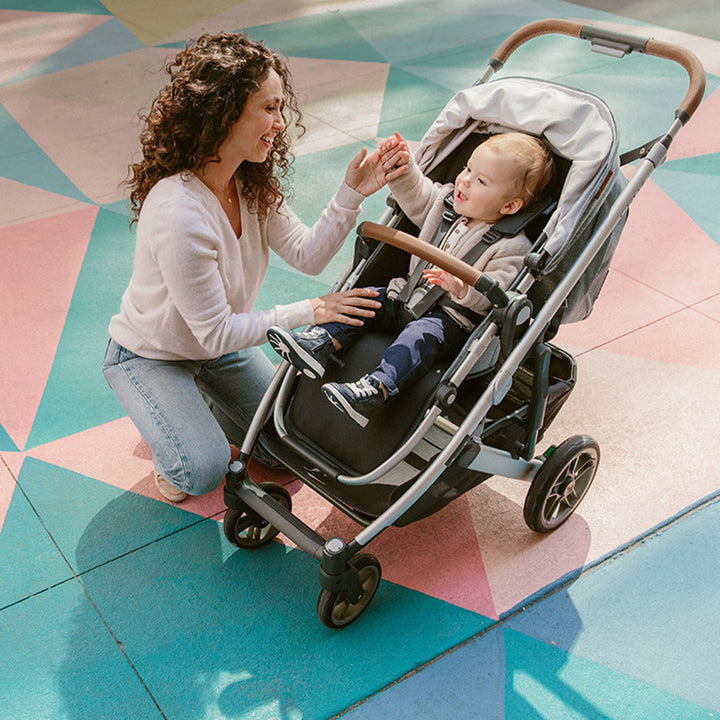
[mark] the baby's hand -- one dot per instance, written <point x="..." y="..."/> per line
<point x="394" y="156"/>
<point x="453" y="285"/>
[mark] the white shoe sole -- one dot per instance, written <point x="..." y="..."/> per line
<point x="287" y="348"/>
<point x="341" y="403"/>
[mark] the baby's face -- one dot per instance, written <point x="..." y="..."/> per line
<point x="485" y="188"/>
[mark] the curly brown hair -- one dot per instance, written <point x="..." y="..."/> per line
<point x="210" y="82"/>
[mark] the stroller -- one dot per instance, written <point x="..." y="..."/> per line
<point x="485" y="411"/>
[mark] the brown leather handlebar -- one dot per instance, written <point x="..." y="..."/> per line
<point x="657" y="48"/>
<point x="426" y="251"/>
<point x="533" y="30"/>
<point x="692" y="66"/>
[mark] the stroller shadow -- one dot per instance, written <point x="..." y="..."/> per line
<point x="196" y="628"/>
<point x="476" y="552"/>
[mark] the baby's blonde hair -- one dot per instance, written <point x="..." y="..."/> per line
<point x="535" y="161"/>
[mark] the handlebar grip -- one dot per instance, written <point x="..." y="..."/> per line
<point x="630" y="43"/>
<point x="692" y="66"/>
<point x="467" y="273"/>
<point x="533" y="30"/>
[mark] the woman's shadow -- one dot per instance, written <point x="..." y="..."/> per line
<point x="185" y="626"/>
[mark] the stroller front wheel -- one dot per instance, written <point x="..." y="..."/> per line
<point x="561" y="483"/>
<point x="245" y="528"/>
<point x="333" y="607"/>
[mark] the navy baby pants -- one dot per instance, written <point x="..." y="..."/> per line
<point x="419" y="344"/>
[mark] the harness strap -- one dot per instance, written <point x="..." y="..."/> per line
<point x="638" y="152"/>
<point x="447" y="220"/>
<point x="508" y="226"/>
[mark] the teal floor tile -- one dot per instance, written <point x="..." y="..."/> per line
<point x="22" y="160"/>
<point x="545" y="683"/>
<point x="240" y="633"/>
<point x="30" y="562"/>
<point x="650" y="613"/>
<point x="118" y="521"/>
<point x="694" y="183"/>
<point x="77" y="365"/>
<point x="58" y="661"/>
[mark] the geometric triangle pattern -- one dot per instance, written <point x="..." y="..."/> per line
<point x="543" y="681"/>
<point x="693" y="183"/>
<point x="28" y="164"/>
<point x="109" y="591"/>
<point x="103" y="276"/>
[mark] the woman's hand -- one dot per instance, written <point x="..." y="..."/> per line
<point x="394" y="156"/>
<point x="453" y="285"/>
<point x="368" y="173"/>
<point x="346" y="307"/>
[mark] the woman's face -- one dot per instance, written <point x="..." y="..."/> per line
<point x="252" y="135"/>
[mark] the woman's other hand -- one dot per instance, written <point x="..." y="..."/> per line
<point x="348" y="307"/>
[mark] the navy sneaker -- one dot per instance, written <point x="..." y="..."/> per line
<point x="358" y="400"/>
<point x="308" y="351"/>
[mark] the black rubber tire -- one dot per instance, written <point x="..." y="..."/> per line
<point x="333" y="608"/>
<point x="244" y="529"/>
<point x="561" y="483"/>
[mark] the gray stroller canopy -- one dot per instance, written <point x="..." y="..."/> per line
<point x="579" y="127"/>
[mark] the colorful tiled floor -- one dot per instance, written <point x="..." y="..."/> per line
<point x="115" y="604"/>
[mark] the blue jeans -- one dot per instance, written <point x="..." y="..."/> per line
<point x="170" y="404"/>
<point x="418" y="347"/>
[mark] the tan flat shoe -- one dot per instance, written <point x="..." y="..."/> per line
<point x="167" y="490"/>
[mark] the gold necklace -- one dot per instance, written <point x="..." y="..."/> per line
<point x="221" y="196"/>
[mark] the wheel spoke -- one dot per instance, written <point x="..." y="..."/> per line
<point x="341" y="610"/>
<point x="553" y="506"/>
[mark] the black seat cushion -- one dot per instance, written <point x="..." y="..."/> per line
<point x="312" y="417"/>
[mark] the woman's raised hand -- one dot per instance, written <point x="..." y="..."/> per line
<point x="367" y="173"/>
<point x="394" y="156"/>
<point x="348" y="307"/>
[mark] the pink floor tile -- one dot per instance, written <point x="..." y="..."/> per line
<point x="29" y="37"/>
<point x="624" y="305"/>
<point x="710" y="307"/>
<point x="656" y="435"/>
<point x="699" y="136"/>
<point x="439" y="555"/>
<point x="686" y="338"/>
<point x="663" y="248"/>
<point x="35" y="292"/>
<point x="115" y="454"/>
<point x="90" y="143"/>
<point x="23" y="203"/>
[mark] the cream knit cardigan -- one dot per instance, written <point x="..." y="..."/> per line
<point x="194" y="282"/>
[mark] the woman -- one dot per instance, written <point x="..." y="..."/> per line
<point x="209" y="206"/>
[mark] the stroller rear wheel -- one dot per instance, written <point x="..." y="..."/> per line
<point x="561" y="483"/>
<point x="246" y="529"/>
<point x="333" y="607"/>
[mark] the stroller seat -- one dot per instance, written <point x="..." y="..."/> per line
<point x="357" y="450"/>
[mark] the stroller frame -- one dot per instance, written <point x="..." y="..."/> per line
<point x="559" y="479"/>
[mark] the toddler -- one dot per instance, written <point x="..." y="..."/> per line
<point x="504" y="174"/>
